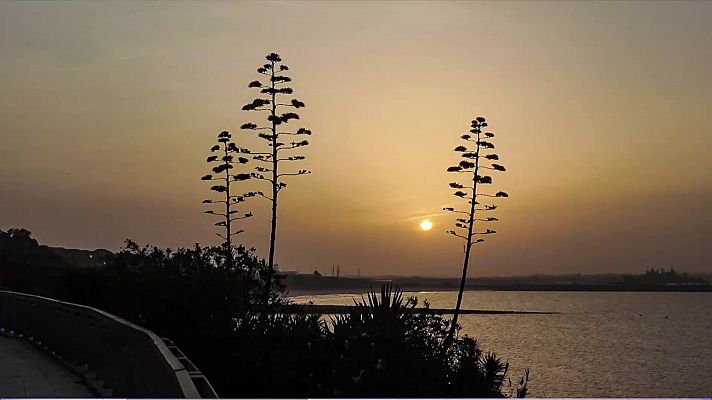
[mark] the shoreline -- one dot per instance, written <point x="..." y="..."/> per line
<point x="510" y="288"/>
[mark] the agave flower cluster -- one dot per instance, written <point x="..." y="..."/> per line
<point x="226" y="155"/>
<point x="478" y="159"/>
<point x="273" y="132"/>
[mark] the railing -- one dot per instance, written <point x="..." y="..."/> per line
<point x="115" y="354"/>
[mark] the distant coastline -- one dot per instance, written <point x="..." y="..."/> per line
<point x="25" y="265"/>
<point x="512" y="288"/>
<point x="307" y="285"/>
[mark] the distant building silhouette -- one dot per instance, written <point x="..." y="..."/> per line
<point x="663" y="277"/>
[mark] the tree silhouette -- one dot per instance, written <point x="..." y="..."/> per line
<point x="276" y="98"/>
<point x="224" y="158"/>
<point x="475" y="160"/>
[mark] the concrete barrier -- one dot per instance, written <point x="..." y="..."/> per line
<point x="116" y="354"/>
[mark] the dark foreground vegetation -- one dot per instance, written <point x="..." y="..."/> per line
<point x="215" y="311"/>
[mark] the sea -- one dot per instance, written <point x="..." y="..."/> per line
<point x="599" y="344"/>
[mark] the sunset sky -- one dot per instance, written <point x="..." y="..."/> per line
<point x="603" y="116"/>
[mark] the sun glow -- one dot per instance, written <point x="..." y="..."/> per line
<point x="426" y="225"/>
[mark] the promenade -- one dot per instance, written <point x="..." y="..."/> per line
<point x="25" y="371"/>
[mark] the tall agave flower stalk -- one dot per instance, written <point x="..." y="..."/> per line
<point x="223" y="160"/>
<point x="276" y="103"/>
<point x="478" y="159"/>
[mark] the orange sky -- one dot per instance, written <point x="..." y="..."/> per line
<point x="601" y="110"/>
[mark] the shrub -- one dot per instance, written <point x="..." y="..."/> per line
<point x="214" y="311"/>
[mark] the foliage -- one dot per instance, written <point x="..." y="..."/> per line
<point x="213" y="310"/>
<point x="380" y="348"/>
<point x="18" y="246"/>
<point x="475" y="161"/>
<point x="383" y="348"/>
<point x="28" y="267"/>
<point x="182" y="293"/>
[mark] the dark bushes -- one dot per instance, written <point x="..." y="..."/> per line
<point x="215" y="312"/>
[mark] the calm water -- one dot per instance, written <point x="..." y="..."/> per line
<point x="600" y="345"/>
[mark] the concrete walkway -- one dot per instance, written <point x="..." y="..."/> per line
<point x="25" y="371"/>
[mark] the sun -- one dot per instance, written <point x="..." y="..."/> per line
<point x="426" y="225"/>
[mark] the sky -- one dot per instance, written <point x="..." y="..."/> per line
<point x="601" y="110"/>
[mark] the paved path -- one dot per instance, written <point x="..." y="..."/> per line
<point x="25" y="371"/>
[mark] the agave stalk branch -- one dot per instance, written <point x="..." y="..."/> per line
<point x="468" y="246"/>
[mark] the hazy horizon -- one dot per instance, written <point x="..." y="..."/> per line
<point x="108" y="111"/>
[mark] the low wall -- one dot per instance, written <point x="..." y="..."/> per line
<point x="130" y="360"/>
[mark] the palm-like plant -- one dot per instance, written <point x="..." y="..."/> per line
<point x="274" y="101"/>
<point x="386" y="348"/>
<point x="224" y="159"/>
<point x="386" y="313"/>
<point x="476" y="159"/>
